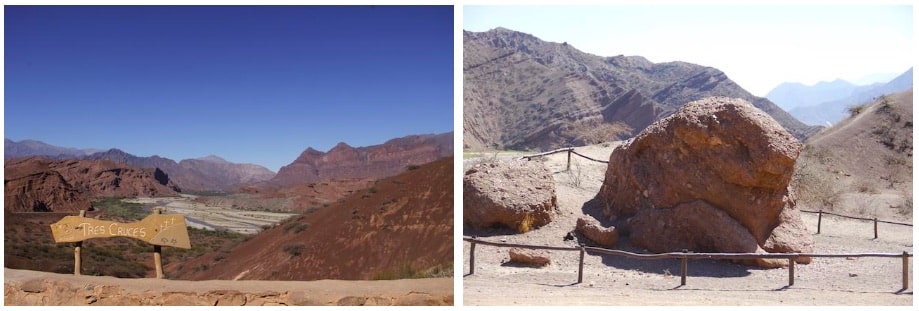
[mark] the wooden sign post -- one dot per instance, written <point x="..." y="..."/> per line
<point x="157" y="229"/>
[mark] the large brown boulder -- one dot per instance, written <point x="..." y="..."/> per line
<point x="712" y="177"/>
<point x="519" y="194"/>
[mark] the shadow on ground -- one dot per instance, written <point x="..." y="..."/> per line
<point x="702" y="267"/>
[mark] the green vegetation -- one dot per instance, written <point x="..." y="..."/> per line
<point x="408" y="271"/>
<point x="119" y="210"/>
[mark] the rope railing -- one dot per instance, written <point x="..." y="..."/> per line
<point x="569" y="150"/>
<point x="875" y="220"/>
<point x="685" y="256"/>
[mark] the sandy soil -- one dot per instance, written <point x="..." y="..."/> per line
<point x="203" y="216"/>
<point x="610" y="280"/>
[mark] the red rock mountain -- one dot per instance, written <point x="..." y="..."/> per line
<point x="37" y="184"/>
<point x="402" y="224"/>
<point x="372" y="162"/>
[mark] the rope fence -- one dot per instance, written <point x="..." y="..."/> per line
<point x="875" y="220"/>
<point x="685" y="256"/>
<point x="569" y="150"/>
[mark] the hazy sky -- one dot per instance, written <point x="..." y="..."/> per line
<point x="757" y="46"/>
<point x="250" y="84"/>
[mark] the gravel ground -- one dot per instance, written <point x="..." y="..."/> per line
<point x="612" y="280"/>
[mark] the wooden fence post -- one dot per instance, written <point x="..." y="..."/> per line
<point x="568" y="167"/>
<point x="472" y="257"/>
<point x="157" y="253"/>
<point x="683" y="270"/>
<point x="819" y="220"/>
<point x="581" y="266"/>
<point x="875" y="227"/>
<point x="77" y="256"/>
<point x="791" y="271"/>
<point x="905" y="270"/>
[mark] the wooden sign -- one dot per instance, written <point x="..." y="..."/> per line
<point x="156" y="229"/>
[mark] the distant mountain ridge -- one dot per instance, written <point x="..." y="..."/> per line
<point x="371" y="162"/>
<point x="210" y="173"/>
<point x="828" y="102"/>
<point x="29" y="147"/>
<point x="792" y="95"/>
<point x="521" y="92"/>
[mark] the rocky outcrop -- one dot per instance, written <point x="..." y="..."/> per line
<point x="528" y="257"/>
<point x="521" y="92"/>
<point x="31" y="288"/>
<point x="519" y="194"/>
<point x="372" y="162"/>
<point x="42" y="185"/>
<point x="712" y="177"/>
<point x="591" y="229"/>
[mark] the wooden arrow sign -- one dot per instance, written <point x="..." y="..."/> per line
<point x="156" y="229"/>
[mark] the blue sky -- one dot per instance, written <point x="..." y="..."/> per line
<point x="249" y="84"/>
<point x="757" y="46"/>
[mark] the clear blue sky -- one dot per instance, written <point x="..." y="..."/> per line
<point x="757" y="46"/>
<point x="250" y="84"/>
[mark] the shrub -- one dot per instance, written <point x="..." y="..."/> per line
<point x="855" y="110"/>
<point x="295" y="249"/>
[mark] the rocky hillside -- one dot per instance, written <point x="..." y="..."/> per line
<point x="524" y="93"/>
<point x="37" y="184"/>
<point x="400" y="227"/>
<point x="205" y="174"/>
<point x="344" y="162"/>
<point x="863" y="165"/>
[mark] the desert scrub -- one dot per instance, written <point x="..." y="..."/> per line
<point x="407" y="270"/>
<point x="120" y="210"/>
<point x="295" y="249"/>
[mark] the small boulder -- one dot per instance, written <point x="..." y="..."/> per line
<point x="528" y="257"/>
<point x="519" y="194"/>
<point x="591" y="229"/>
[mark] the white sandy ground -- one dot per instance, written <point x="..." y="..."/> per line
<point x="610" y="280"/>
<point x="202" y="216"/>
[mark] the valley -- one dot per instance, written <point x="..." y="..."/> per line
<point x="210" y="217"/>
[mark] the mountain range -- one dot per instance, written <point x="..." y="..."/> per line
<point x="213" y="173"/>
<point x="521" y="92"/>
<point x="827" y="103"/>
<point x="371" y="162"/>
<point x="205" y="174"/>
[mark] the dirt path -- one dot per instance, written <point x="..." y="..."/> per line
<point x="610" y="280"/>
<point x="24" y="287"/>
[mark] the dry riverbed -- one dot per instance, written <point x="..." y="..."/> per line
<point x="203" y="216"/>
